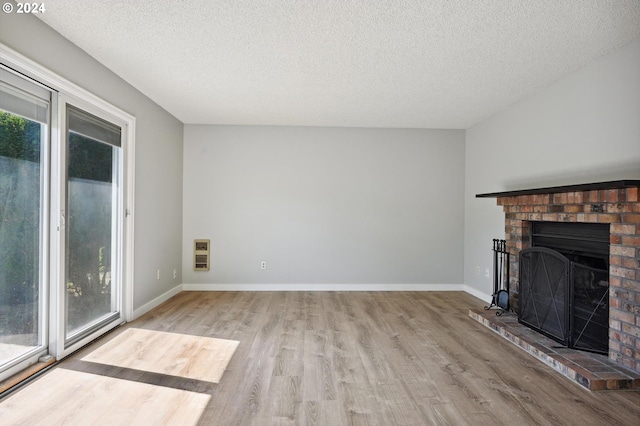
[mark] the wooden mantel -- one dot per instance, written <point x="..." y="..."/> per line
<point x="614" y="184"/>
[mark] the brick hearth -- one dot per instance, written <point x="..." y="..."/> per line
<point x="619" y="207"/>
<point x="592" y="371"/>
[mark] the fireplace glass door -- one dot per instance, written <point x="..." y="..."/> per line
<point x="543" y="292"/>
<point x="590" y="308"/>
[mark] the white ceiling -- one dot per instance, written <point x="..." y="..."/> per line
<point x="353" y="63"/>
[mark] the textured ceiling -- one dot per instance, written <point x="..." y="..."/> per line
<point x="354" y="63"/>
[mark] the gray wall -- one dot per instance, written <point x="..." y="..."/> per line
<point x="350" y="205"/>
<point x="158" y="185"/>
<point x="324" y="205"/>
<point x="585" y="128"/>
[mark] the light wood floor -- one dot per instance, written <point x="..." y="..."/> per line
<point x="170" y="354"/>
<point x="380" y="358"/>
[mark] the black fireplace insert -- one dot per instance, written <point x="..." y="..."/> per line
<point x="564" y="284"/>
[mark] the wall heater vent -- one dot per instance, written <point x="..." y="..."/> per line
<point x="201" y="256"/>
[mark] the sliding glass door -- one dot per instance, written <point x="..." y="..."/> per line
<point x="92" y="232"/>
<point x="24" y="134"/>
<point x="62" y="220"/>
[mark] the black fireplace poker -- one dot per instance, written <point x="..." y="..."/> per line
<point x="500" y="297"/>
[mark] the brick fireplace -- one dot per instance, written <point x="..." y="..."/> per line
<point x="615" y="203"/>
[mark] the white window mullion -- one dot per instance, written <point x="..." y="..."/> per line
<point x="58" y="223"/>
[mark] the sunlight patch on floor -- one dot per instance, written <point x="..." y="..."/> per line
<point x="183" y="355"/>
<point x="75" y="398"/>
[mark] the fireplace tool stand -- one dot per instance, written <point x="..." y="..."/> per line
<point x="500" y="297"/>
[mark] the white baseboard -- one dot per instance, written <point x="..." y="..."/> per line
<point x="307" y="287"/>
<point x="323" y="287"/>
<point x="479" y="294"/>
<point x="157" y="301"/>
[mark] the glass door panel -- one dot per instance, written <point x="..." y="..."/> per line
<point x="23" y="134"/>
<point x="92" y="243"/>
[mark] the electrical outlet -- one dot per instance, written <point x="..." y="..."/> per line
<point x="487" y="273"/>
<point x="158" y="274"/>
<point x="175" y="274"/>
<point x="477" y="270"/>
<point x="263" y="264"/>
